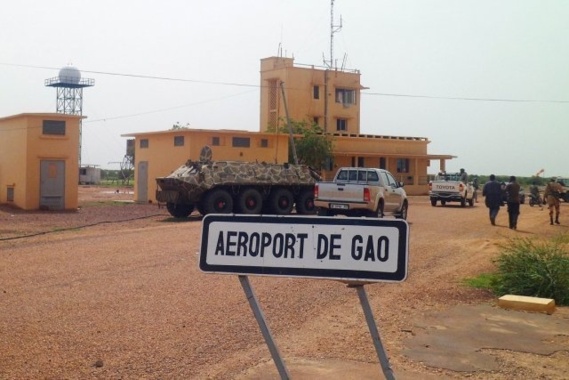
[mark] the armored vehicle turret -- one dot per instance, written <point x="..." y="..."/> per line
<point x="237" y="187"/>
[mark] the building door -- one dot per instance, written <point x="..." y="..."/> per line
<point x="142" y="182"/>
<point x="52" y="184"/>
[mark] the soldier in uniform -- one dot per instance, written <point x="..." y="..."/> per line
<point x="551" y="197"/>
<point x="513" y="201"/>
<point x="492" y="191"/>
<point x="463" y="176"/>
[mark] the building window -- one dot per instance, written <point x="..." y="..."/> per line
<point x="241" y="142"/>
<point x="341" y="124"/>
<point x="178" y="140"/>
<point x="315" y="120"/>
<point x="144" y="143"/>
<point x="382" y="163"/>
<point x="53" y="127"/>
<point x="361" y="162"/>
<point x="345" y="96"/>
<point x="264" y="143"/>
<point x="215" y="141"/>
<point x="316" y="92"/>
<point x="402" y="165"/>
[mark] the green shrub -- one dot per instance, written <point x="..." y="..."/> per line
<point x="536" y="269"/>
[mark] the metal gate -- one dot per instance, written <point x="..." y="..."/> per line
<point x="52" y="184"/>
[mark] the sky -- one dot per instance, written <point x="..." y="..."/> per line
<point x="484" y="80"/>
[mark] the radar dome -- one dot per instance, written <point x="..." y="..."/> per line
<point x="69" y="74"/>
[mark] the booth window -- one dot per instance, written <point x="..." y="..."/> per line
<point x="144" y="143"/>
<point x="53" y="127"/>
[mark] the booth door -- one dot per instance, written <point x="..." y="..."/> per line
<point x="142" y="182"/>
<point x="52" y="184"/>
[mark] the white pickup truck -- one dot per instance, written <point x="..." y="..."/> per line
<point x="449" y="188"/>
<point x="361" y="192"/>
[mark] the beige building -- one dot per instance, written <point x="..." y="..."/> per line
<point x="157" y="154"/>
<point x="329" y="98"/>
<point x="39" y="161"/>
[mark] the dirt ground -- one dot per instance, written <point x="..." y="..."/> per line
<point x="113" y="291"/>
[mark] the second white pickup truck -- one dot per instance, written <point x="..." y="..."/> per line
<point x="361" y="192"/>
<point x="449" y="188"/>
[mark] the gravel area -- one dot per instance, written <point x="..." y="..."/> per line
<point x="113" y="291"/>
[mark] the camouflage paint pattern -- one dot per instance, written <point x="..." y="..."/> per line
<point x="189" y="182"/>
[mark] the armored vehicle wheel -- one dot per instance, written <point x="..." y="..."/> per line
<point x="178" y="210"/>
<point x="250" y="201"/>
<point x="433" y="202"/>
<point x="471" y="202"/>
<point x="305" y="203"/>
<point x="404" y="210"/>
<point x="281" y="201"/>
<point x="218" y="202"/>
<point x="463" y="202"/>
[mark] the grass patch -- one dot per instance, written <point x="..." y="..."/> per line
<point x="483" y="281"/>
<point x="532" y="268"/>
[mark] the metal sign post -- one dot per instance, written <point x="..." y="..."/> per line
<point x="351" y="250"/>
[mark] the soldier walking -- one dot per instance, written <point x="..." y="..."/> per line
<point x="551" y="197"/>
<point x="492" y="191"/>
<point x="513" y="201"/>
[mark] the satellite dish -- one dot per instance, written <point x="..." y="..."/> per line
<point x="206" y="154"/>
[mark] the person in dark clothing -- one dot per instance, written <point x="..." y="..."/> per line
<point x="492" y="191"/>
<point x="513" y="201"/>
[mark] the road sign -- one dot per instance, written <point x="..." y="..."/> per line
<point x="351" y="249"/>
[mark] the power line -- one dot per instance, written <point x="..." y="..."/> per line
<point x="154" y="77"/>
<point x="464" y="98"/>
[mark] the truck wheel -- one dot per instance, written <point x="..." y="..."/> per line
<point x="281" y="201"/>
<point x="250" y="201"/>
<point x="305" y="203"/>
<point x="433" y="202"/>
<point x="443" y="203"/>
<point x="471" y="202"/>
<point x="404" y="210"/>
<point x="179" y="210"/>
<point x="463" y="201"/>
<point x="218" y="202"/>
<point x="379" y="213"/>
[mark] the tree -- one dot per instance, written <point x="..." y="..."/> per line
<point x="314" y="148"/>
<point x="178" y="126"/>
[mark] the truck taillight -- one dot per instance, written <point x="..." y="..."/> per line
<point x="367" y="196"/>
<point x="315" y="191"/>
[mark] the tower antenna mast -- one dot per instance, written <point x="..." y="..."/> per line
<point x="333" y="29"/>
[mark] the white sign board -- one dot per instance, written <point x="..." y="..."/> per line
<point x="353" y="249"/>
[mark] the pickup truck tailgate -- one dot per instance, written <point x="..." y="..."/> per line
<point x="340" y="192"/>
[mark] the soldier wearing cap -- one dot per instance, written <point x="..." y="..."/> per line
<point x="463" y="176"/>
<point x="551" y="196"/>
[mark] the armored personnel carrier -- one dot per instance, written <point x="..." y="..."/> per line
<point x="237" y="187"/>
